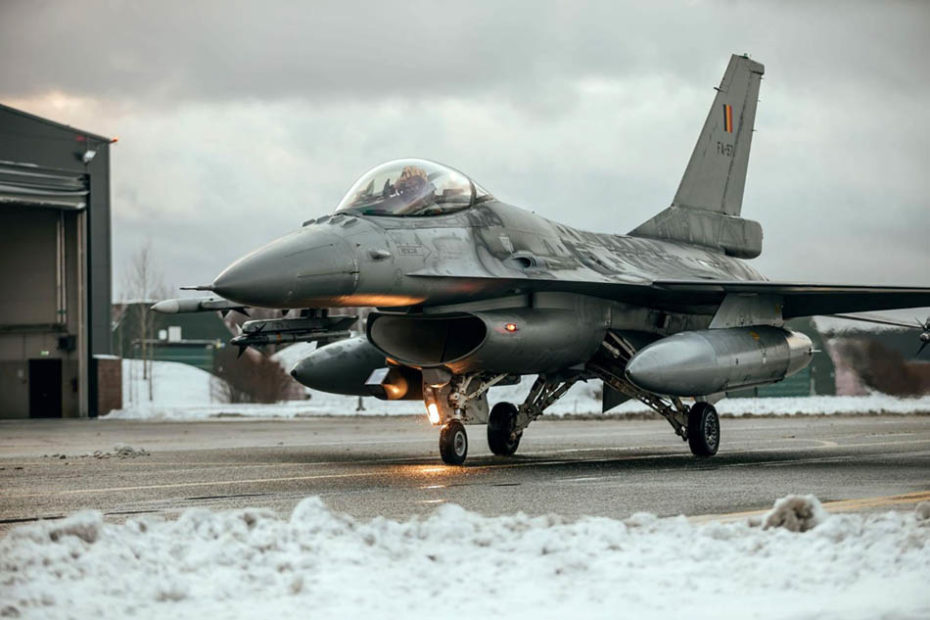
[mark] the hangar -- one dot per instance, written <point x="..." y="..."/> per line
<point x="54" y="270"/>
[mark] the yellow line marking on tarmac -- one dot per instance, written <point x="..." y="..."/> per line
<point x="195" y="484"/>
<point x="842" y="505"/>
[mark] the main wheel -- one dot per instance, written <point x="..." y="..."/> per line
<point x="453" y="443"/>
<point x="703" y="430"/>
<point x="501" y="438"/>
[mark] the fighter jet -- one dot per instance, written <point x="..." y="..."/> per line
<point x="471" y="293"/>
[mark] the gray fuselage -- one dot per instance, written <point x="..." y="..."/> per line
<point x="482" y="254"/>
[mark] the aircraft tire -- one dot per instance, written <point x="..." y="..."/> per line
<point x="453" y="443"/>
<point x="501" y="422"/>
<point x="703" y="430"/>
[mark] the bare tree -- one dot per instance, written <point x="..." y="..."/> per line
<point x="884" y="369"/>
<point x="143" y="284"/>
<point x="253" y="378"/>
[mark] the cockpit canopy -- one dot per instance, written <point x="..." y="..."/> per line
<point x="411" y="187"/>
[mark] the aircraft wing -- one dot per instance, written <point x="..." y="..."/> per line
<point x="800" y="299"/>
<point x="806" y="299"/>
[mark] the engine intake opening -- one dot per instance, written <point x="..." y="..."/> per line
<point x="427" y="341"/>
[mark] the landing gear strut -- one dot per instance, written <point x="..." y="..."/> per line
<point x="507" y="422"/>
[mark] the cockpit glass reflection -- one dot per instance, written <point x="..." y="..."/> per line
<point x="411" y="187"/>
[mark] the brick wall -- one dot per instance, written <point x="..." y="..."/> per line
<point x="109" y="384"/>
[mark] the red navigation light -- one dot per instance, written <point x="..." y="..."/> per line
<point x="511" y="327"/>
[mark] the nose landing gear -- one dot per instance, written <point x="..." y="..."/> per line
<point x="453" y="442"/>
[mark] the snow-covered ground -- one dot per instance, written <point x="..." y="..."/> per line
<point x="457" y="564"/>
<point x="173" y="384"/>
<point x="182" y="392"/>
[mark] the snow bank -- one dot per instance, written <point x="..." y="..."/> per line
<point x="251" y="563"/>
<point x="823" y="405"/>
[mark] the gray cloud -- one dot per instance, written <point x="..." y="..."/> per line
<point x="223" y="50"/>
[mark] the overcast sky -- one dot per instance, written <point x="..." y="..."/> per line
<point x="239" y="120"/>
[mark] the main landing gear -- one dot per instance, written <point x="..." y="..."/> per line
<point x="698" y="424"/>
<point x="503" y="437"/>
<point x="703" y="429"/>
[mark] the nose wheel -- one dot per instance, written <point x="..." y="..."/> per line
<point x="453" y="443"/>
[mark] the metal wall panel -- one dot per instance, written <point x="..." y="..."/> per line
<point x="30" y="256"/>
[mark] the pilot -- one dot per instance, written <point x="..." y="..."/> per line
<point x="412" y="180"/>
<point x="414" y="187"/>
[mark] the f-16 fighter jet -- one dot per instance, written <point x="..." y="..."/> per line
<point x="471" y="293"/>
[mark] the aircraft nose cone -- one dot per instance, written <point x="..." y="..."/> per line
<point x="304" y="269"/>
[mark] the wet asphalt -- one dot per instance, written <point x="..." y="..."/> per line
<point x="391" y="467"/>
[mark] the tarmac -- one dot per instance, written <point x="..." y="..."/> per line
<point x="389" y="466"/>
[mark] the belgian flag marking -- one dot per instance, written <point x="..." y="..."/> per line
<point x="727" y="118"/>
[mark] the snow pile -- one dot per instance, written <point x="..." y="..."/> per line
<point x="795" y="513"/>
<point x="120" y="451"/>
<point x="251" y="563"/>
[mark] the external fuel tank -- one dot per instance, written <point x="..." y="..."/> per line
<point x="710" y="361"/>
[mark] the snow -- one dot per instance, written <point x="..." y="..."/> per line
<point x="289" y="356"/>
<point x="837" y="326"/>
<point x="173" y="384"/>
<point x="457" y="564"/>
<point x="795" y="513"/>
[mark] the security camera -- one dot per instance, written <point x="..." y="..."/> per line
<point x="88" y="156"/>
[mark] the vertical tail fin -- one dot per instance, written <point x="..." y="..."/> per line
<point x="716" y="175"/>
<point x="713" y="182"/>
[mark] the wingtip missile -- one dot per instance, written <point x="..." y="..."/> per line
<point x="198" y="304"/>
<point x="167" y="306"/>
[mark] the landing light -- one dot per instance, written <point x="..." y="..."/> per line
<point x="511" y="327"/>
<point x="433" y="412"/>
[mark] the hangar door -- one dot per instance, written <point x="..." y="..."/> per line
<point x="36" y="209"/>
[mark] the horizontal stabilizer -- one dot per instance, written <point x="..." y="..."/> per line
<point x="732" y="235"/>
